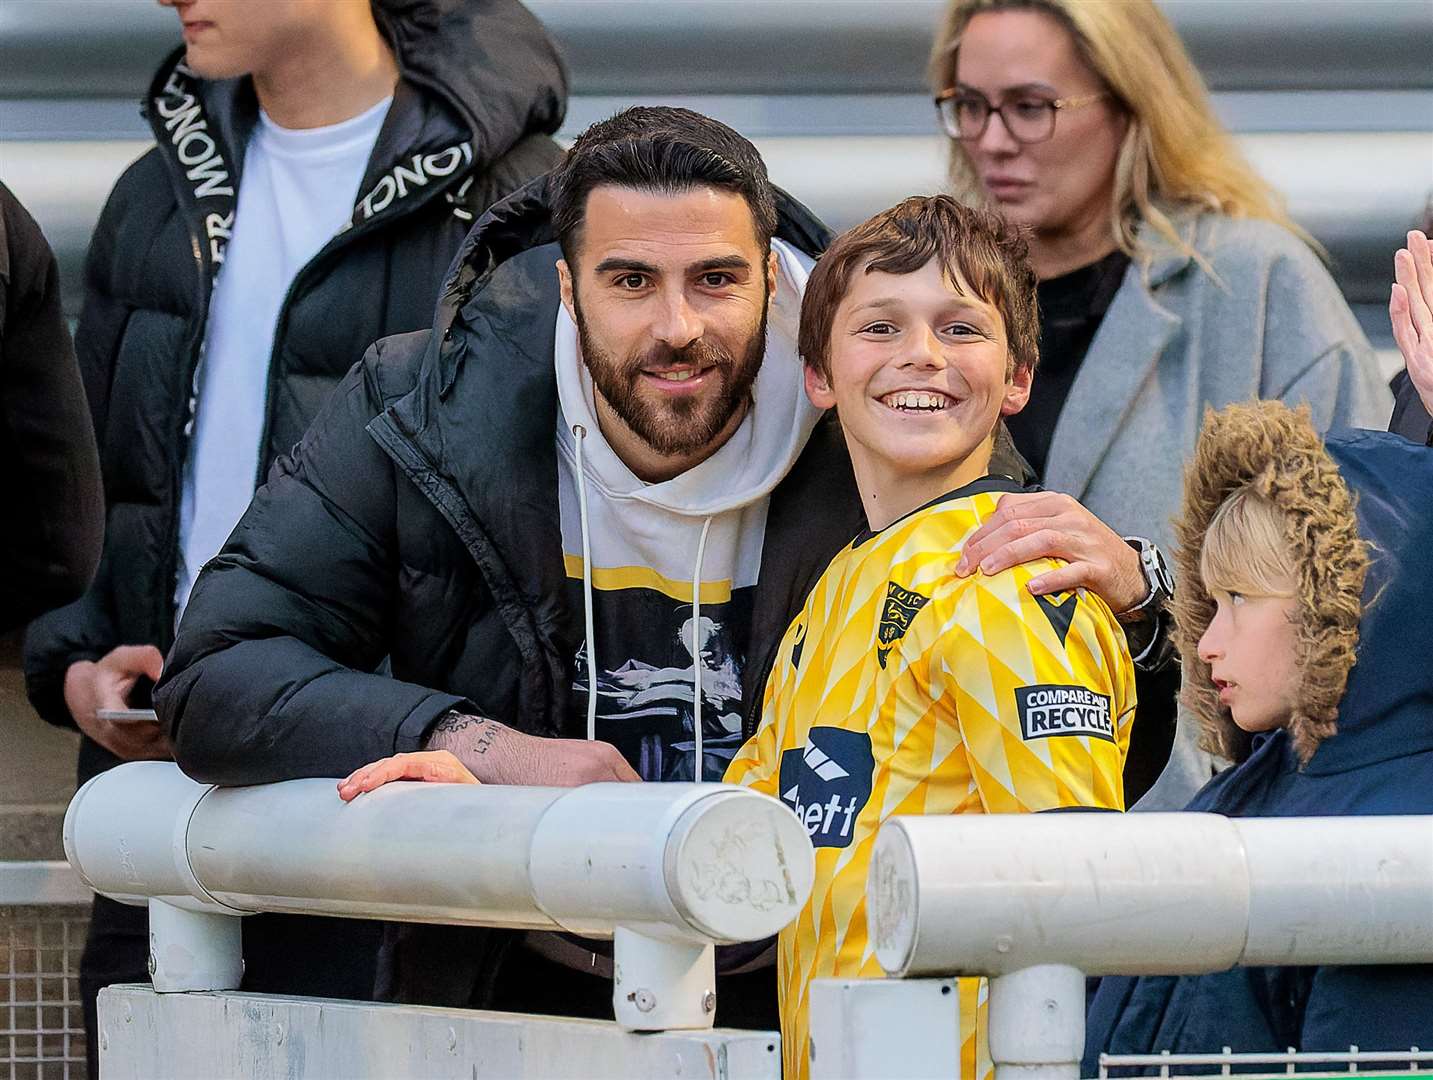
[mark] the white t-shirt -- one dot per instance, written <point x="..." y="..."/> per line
<point x="297" y="191"/>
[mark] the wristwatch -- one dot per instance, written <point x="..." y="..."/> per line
<point x="1147" y="624"/>
<point x="1159" y="582"/>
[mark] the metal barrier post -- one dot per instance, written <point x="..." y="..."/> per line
<point x="194" y="950"/>
<point x="1037" y="1023"/>
<point x="662" y="985"/>
<point x="875" y="1029"/>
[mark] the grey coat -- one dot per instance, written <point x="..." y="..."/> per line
<point x="1269" y="323"/>
<point x="1174" y="340"/>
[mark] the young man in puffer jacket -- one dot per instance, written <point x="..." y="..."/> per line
<point x="317" y="166"/>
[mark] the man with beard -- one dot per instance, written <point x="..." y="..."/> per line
<point x="586" y="503"/>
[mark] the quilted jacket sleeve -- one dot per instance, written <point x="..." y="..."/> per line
<point x="51" y="482"/>
<point x="85" y="629"/>
<point x="271" y="675"/>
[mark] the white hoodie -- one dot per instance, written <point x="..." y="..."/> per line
<point x="648" y="543"/>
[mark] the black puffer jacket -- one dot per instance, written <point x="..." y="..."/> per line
<point x="481" y="88"/>
<point x="417" y="521"/>
<point x="49" y="471"/>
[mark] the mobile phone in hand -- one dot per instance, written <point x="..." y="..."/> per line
<point x="140" y="705"/>
<point x="128" y="716"/>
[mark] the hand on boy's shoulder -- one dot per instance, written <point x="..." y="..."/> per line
<point x="1027" y="526"/>
<point x="1013" y="594"/>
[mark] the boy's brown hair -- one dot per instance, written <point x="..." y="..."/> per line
<point x="977" y="247"/>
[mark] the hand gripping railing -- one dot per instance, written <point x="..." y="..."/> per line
<point x="1037" y="902"/>
<point x="666" y="870"/>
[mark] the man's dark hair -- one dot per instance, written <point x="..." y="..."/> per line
<point x="661" y="149"/>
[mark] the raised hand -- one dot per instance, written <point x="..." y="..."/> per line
<point x="1410" y="307"/>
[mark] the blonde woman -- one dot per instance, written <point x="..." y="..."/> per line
<point x="1170" y="279"/>
<point x="1170" y="274"/>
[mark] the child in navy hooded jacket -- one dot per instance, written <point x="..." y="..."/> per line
<point x="1343" y="724"/>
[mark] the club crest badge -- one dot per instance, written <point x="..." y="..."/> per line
<point x="902" y="605"/>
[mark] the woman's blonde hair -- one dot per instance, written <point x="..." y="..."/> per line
<point x="1246" y="547"/>
<point x="1175" y="153"/>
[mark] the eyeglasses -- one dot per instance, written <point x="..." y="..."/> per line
<point x="965" y="114"/>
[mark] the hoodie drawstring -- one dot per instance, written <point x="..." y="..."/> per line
<point x="579" y="433"/>
<point x="696" y="648"/>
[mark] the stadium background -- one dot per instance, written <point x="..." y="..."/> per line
<point x="1332" y="100"/>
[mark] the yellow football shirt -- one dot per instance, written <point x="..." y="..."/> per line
<point x="903" y="689"/>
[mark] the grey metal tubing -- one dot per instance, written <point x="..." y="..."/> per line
<point x="1147" y="894"/>
<point x="1357" y="192"/>
<point x="651" y="47"/>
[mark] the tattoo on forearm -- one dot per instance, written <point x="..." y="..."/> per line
<point x="480" y="732"/>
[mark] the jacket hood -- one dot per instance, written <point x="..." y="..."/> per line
<point x="1387" y="707"/>
<point x="477" y="76"/>
<point x="491" y="61"/>
<point x="1276" y="452"/>
<point x="1359" y="507"/>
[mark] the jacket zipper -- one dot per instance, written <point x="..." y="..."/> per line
<point x="453" y="508"/>
<point x="164" y="603"/>
<point x="751" y="718"/>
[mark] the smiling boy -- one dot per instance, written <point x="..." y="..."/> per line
<point x="902" y="688"/>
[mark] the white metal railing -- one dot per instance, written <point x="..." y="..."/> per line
<point x="1304" y="1065"/>
<point x="666" y="870"/>
<point x="1037" y="902"/>
<point x="1034" y="903"/>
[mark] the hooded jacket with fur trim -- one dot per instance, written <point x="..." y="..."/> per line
<point x="1360" y="742"/>
<point x="481" y="89"/>
<point x="1276" y="452"/>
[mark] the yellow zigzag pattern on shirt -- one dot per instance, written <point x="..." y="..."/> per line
<point x="943" y="721"/>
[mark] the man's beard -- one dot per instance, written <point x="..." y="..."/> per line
<point x="684" y="424"/>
